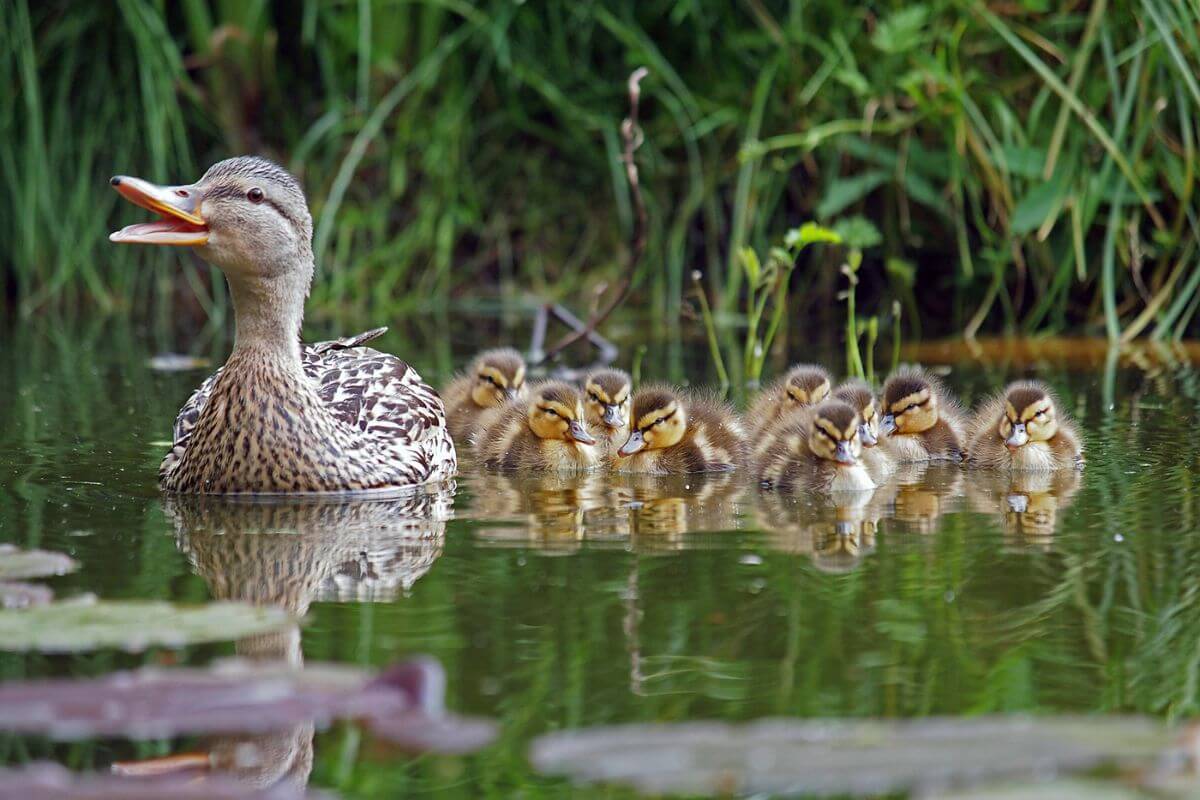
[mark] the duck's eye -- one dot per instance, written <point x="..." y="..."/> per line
<point x="1040" y="415"/>
<point x="595" y="397"/>
<point x="255" y="195"/>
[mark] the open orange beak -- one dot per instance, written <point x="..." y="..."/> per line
<point x="177" y="206"/>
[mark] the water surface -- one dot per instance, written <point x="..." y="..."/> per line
<point x="558" y="602"/>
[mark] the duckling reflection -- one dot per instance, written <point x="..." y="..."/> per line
<point x="1028" y="503"/>
<point x="289" y="553"/>
<point x="554" y="512"/>
<point x="836" y="531"/>
<point x="669" y="511"/>
<point x="918" y="494"/>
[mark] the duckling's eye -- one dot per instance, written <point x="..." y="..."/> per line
<point x="1040" y="415"/>
<point x="595" y="397"/>
<point x="255" y="195"/>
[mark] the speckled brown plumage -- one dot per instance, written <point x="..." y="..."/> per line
<point x="351" y="418"/>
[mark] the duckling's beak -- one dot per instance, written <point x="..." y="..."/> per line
<point x="633" y="444"/>
<point x="579" y="433"/>
<point x="864" y="434"/>
<point x="612" y="416"/>
<point x="887" y="426"/>
<point x="180" y="223"/>
<point x="1018" y="503"/>
<point x="511" y="393"/>
<point x="843" y="453"/>
<point x="1018" y="437"/>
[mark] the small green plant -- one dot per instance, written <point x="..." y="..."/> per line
<point x="768" y="283"/>
<point x="710" y="329"/>
<point x="857" y="234"/>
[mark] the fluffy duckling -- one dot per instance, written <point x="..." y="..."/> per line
<point x="494" y="378"/>
<point x="921" y="419"/>
<point x="606" y="401"/>
<point x="819" y="449"/>
<point x="676" y="433"/>
<point x="544" y="432"/>
<point x="1022" y="428"/>
<point x="804" y="385"/>
<point x="858" y="395"/>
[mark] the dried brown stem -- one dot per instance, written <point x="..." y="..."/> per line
<point x="632" y="136"/>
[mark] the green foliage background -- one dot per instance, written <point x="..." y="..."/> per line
<point x="1030" y="164"/>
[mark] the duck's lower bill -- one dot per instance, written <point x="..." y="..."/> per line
<point x="179" y="224"/>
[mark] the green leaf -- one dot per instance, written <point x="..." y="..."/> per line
<point x="858" y="232"/>
<point x="810" y="233"/>
<point x="902" y="31"/>
<point x="750" y="265"/>
<point x="73" y="627"/>
<point x="1036" y="206"/>
<point x="846" y="191"/>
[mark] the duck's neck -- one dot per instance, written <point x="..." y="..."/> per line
<point x="269" y="313"/>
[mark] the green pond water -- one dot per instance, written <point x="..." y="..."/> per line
<point x="556" y="603"/>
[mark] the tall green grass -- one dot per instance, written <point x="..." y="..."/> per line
<point x="1031" y="165"/>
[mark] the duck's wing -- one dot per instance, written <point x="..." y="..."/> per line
<point x="372" y="392"/>
<point x="383" y="397"/>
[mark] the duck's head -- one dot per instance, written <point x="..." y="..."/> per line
<point x="499" y="376"/>
<point x="1029" y="415"/>
<point x="556" y="412"/>
<point x="659" y="421"/>
<point x="859" y="396"/>
<point x="910" y="403"/>
<point x="833" y="433"/>
<point x="807" y="385"/>
<point x="247" y="216"/>
<point x="607" y="398"/>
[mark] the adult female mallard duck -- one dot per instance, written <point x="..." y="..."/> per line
<point x="495" y="377"/>
<point x="675" y="433"/>
<point x="921" y="419"/>
<point x="803" y="385"/>
<point x="1023" y="428"/>
<point x="545" y="432"/>
<point x="606" y="400"/>
<point x="819" y="449"/>
<point x="279" y="417"/>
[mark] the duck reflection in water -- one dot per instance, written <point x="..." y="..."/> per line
<point x="558" y="513"/>
<point x="835" y="530"/>
<point x="1027" y="503"/>
<point x="289" y="553"/>
<point x="919" y="494"/>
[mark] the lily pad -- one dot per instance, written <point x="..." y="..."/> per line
<point x="403" y="704"/>
<point x="71" y="627"/>
<point x="14" y="594"/>
<point x="45" y="781"/>
<point x="790" y="757"/>
<point x="16" y="564"/>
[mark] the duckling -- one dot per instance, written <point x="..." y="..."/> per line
<point x="676" y="433"/>
<point x="494" y="378"/>
<point x="606" y="403"/>
<point x="804" y="385"/>
<point x="921" y="419"/>
<point x="858" y="395"/>
<point x="1022" y="428"/>
<point x="544" y="432"/>
<point x="819" y="449"/>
